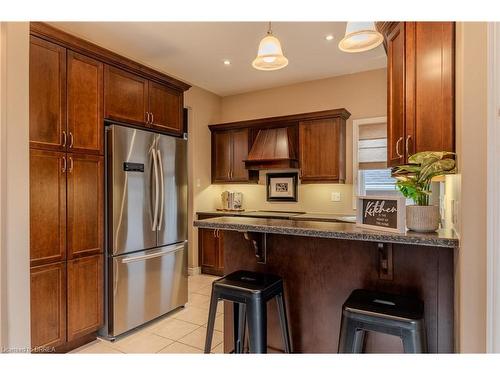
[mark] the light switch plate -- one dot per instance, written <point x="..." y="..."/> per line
<point x="335" y="196"/>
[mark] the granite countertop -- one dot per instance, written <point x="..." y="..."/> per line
<point x="283" y="215"/>
<point x="338" y="230"/>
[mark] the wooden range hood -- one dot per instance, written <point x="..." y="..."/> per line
<point x="273" y="148"/>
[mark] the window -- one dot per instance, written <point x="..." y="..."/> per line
<point x="376" y="182"/>
<point x="370" y="173"/>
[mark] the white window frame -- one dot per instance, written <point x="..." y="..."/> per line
<point x="355" y="137"/>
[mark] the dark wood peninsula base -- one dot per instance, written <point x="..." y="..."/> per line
<point x="320" y="273"/>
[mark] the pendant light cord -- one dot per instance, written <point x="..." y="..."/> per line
<point x="269" y="31"/>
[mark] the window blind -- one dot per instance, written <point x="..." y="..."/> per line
<point x="372" y="147"/>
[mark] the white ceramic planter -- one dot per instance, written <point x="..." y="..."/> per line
<point x="422" y="218"/>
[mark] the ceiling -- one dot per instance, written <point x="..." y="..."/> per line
<point x="194" y="51"/>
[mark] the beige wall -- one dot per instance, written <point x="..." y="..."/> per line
<point x="14" y="186"/>
<point x="362" y="94"/>
<point x="204" y="108"/>
<point x="471" y="125"/>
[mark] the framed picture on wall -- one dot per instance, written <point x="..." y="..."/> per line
<point x="282" y="187"/>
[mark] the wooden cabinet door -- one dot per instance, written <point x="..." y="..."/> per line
<point x="430" y="89"/>
<point x="165" y="105"/>
<point x="47" y="99"/>
<point x="85" y="205"/>
<point x="221" y="156"/>
<point x="239" y="153"/>
<point x="47" y="206"/>
<point x="396" y="96"/>
<point x="85" y="104"/>
<point x="125" y="96"/>
<point x="48" y="305"/>
<point x="209" y="251"/>
<point x="322" y="150"/>
<point x="85" y="296"/>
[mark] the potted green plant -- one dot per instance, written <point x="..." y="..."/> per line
<point x="414" y="181"/>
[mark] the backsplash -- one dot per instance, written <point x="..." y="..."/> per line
<point x="316" y="198"/>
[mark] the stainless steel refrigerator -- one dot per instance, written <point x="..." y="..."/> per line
<point x="146" y="221"/>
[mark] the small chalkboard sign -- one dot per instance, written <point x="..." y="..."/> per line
<point x="382" y="213"/>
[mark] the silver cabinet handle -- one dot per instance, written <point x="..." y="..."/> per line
<point x="147" y="117"/>
<point x="64" y="164"/>
<point x="155" y="167"/>
<point x="162" y="187"/>
<point x="154" y="255"/>
<point x="70" y="140"/>
<point x="64" y="138"/>
<point x="406" y="144"/>
<point x="152" y="118"/>
<point x="397" y="147"/>
<point x="215" y="233"/>
<point x="70" y="165"/>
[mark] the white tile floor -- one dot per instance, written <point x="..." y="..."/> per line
<point x="182" y="331"/>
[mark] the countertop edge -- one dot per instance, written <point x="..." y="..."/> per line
<point x="335" y="234"/>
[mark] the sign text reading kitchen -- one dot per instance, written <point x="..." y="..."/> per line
<point x="386" y="213"/>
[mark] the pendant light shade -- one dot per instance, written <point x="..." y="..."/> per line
<point x="270" y="55"/>
<point x="360" y="37"/>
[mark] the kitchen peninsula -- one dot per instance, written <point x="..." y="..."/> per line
<point x="323" y="262"/>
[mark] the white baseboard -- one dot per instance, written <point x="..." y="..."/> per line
<point x="194" y="271"/>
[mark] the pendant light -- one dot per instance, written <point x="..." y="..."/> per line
<point x="360" y="37"/>
<point x="270" y="56"/>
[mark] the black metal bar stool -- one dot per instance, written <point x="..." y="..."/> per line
<point x="381" y="312"/>
<point x="249" y="292"/>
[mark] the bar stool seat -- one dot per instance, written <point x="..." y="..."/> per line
<point x="249" y="292"/>
<point x="392" y="314"/>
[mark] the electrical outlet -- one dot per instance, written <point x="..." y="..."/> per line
<point x="335" y="196"/>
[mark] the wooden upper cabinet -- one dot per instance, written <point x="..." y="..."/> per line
<point x="85" y="104"/>
<point x="396" y="95"/>
<point x="47" y="206"/>
<point x="221" y="156"/>
<point x="85" y="205"/>
<point x="85" y="296"/>
<point x="239" y="153"/>
<point x="48" y="305"/>
<point x="165" y="106"/>
<point x="421" y="88"/>
<point x="430" y="66"/>
<point x="322" y="150"/>
<point x="229" y="150"/>
<point x="47" y="99"/>
<point x="125" y="96"/>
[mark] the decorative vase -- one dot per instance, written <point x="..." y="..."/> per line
<point x="422" y="218"/>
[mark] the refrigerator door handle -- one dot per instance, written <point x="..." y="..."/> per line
<point x="162" y="190"/>
<point x="154" y="255"/>
<point x="155" y="213"/>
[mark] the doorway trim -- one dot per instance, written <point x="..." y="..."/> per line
<point x="493" y="191"/>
